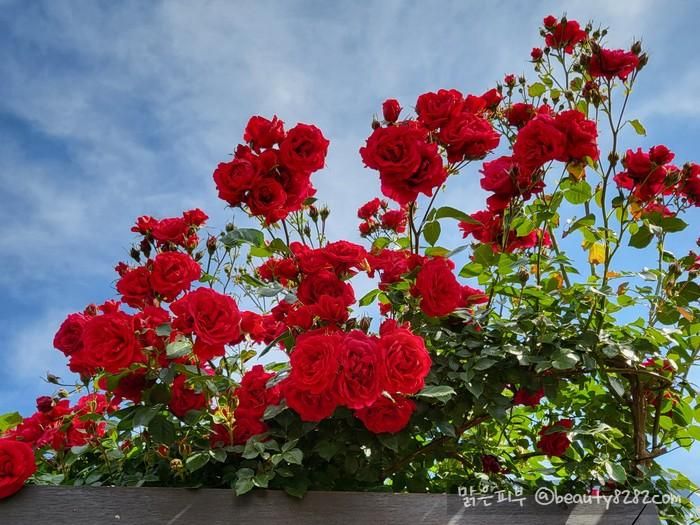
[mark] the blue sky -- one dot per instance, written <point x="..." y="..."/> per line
<point x="110" y="110"/>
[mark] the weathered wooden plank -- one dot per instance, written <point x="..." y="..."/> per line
<point x="169" y="506"/>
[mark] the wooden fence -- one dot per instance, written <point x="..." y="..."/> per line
<point x="172" y="506"/>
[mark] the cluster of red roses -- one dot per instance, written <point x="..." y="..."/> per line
<point x="272" y="181"/>
<point x="542" y="136"/>
<point x="407" y="153"/>
<point x="650" y="175"/>
<point x="60" y="426"/>
<point x="171" y="232"/>
<point x="376" y="216"/>
<point x="366" y="373"/>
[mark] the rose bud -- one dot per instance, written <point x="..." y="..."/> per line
<point x="176" y="465"/>
<point x="211" y="244"/>
<point x="145" y="248"/>
<point x="313" y="213"/>
<point x="391" y="110"/>
<point x="52" y="378"/>
<point x="376" y="124"/>
<point x="135" y="254"/>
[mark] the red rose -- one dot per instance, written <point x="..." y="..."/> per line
<point x="342" y="256"/>
<point x="549" y="21"/>
<point x="581" y="135"/>
<point x="234" y="179"/>
<point x="391" y="110"/>
<point x="529" y="398"/>
<point x="394" y="149"/>
<point x="268" y="199"/>
<point x="16" y="466"/>
<point x="536" y="54"/>
<point x="314" y="361"/>
<point x="487" y="229"/>
<point x="491" y="99"/>
<point x="172" y="230"/>
<point x="520" y="114"/>
<point x="438" y="288"/>
<point x="246" y="428"/>
<point x="195" y="217"/>
<point x="404" y="187"/>
<point x="538" y="142"/>
<point x="214" y="317"/>
<point x="253" y="394"/>
<point x="262" y="133"/>
<point x="69" y="338"/>
<point x="135" y="287"/>
<point x="435" y="109"/>
<point x="144" y="225"/>
<point x="395" y="220"/>
<point x="491" y="465"/>
<point x="387" y="416"/>
<point x="690" y="186"/>
<point x="610" y="63"/>
<point x="472" y="296"/>
<point x="130" y="386"/>
<point x="358" y="383"/>
<point x="504" y="177"/>
<point x="564" y="35"/>
<point x="332" y="310"/>
<point x="173" y="273"/>
<point x="310" y="407"/>
<point x="370" y="209"/>
<point x="405" y="360"/>
<point x="110" y="342"/>
<point x="44" y="404"/>
<point x="467" y="137"/>
<point x="324" y="282"/>
<point x="555" y="443"/>
<point x="304" y="148"/>
<point x="184" y="398"/>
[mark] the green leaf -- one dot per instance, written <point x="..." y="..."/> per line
<point x="638" y="127"/>
<point x="440" y="392"/>
<point x="453" y="213"/>
<point x="163" y="330"/>
<point x="536" y="90"/>
<point x="297" y="487"/>
<point x="673" y="224"/>
<point x="178" y="348"/>
<point x="293" y="456"/>
<point x="564" y="359"/>
<point x="196" y="461"/>
<point x="642" y="238"/>
<point x="274" y="410"/>
<point x="484" y="363"/>
<point x="144" y="415"/>
<point x="9" y="420"/>
<point x="328" y="449"/>
<point x="431" y="232"/>
<point x="616" y="472"/>
<point x="369" y="297"/>
<point x="162" y="430"/>
<point x="578" y="192"/>
<point x="241" y="235"/>
<point x="243" y="485"/>
<point x="218" y="454"/>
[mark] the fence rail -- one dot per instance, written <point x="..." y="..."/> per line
<point x="175" y="506"/>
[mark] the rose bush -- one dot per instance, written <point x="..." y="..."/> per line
<point x="511" y="359"/>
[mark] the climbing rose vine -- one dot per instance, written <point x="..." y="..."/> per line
<point x="544" y="339"/>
